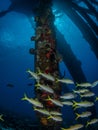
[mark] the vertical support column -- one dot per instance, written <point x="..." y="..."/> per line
<point x="47" y="63"/>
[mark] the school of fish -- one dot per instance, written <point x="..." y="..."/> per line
<point x="81" y="90"/>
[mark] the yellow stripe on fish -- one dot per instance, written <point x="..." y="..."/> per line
<point x="45" y="88"/>
<point x="46" y="76"/>
<point x="84" y="84"/>
<point x="56" y="102"/>
<point x="66" y="81"/>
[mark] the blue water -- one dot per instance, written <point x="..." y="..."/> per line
<point x="15" y="33"/>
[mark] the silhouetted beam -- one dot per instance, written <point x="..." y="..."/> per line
<point x="91" y="7"/>
<point x="94" y="2"/>
<point x="83" y="9"/>
<point x="87" y="18"/>
<point x="84" y="28"/>
<point x="70" y="60"/>
<point x="26" y="7"/>
<point x="73" y="65"/>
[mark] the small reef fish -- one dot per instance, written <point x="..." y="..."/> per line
<point x="84" y="85"/>
<point x="66" y="81"/>
<point x="1" y="117"/>
<point x="33" y="74"/>
<point x="82" y="104"/>
<point x="94" y="83"/>
<point x="55" y="113"/>
<point x="35" y="102"/>
<point x="83" y="115"/>
<point x="68" y="96"/>
<point x="45" y="88"/>
<point x="93" y="121"/>
<point x="46" y="76"/>
<point x="74" y="127"/>
<point x="42" y="111"/>
<point x="81" y="91"/>
<point x="10" y="85"/>
<point x="68" y="103"/>
<point x="55" y="118"/>
<point x="88" y="94"/>
<point x="77" y="126"/>
<point x="56" y="102"/>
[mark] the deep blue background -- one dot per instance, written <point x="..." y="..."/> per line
<point x="15" y="33"/>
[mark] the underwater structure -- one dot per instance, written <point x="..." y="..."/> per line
<point x="47" y="45"/>
<point x="46" y="64"/>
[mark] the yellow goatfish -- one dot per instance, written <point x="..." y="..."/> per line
<point x="74" y="127"/>
<point x="45" y="88"/>
<point x="83" y="115"/>
<point x="33" y="74"/>
<point x="68" y="96"/>
<point x="46" y="76"/>
<point x="55" y="118"/>
<point x="55" y="113"/>
<point x="93" y="121"/>
<point x="95" y="83"/>
<point x="34" y="102"/>
<point x="77" y="126"/>
<point x="42" y="111"/>
<point x="88" y="94"/>
<point x="66" y="81"/>
<point x="84" y="104"/>
<point x="56" y="102"/>
<point x="80" y="91"/>
<point x="84" y="85"/>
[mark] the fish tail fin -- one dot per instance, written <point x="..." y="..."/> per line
<point x="56" y="80"/>
<point x="74" y="91"/>
<point x="77" y="116"/>
<point x="28" y="70"/>
<point x="77" y="84"/>
<point x="25" y="97"/>
<point x="96" y="99"/>
<point x="1" y="117"/>
<point x="74" y="103"/>
<point x="87" y="124"/>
